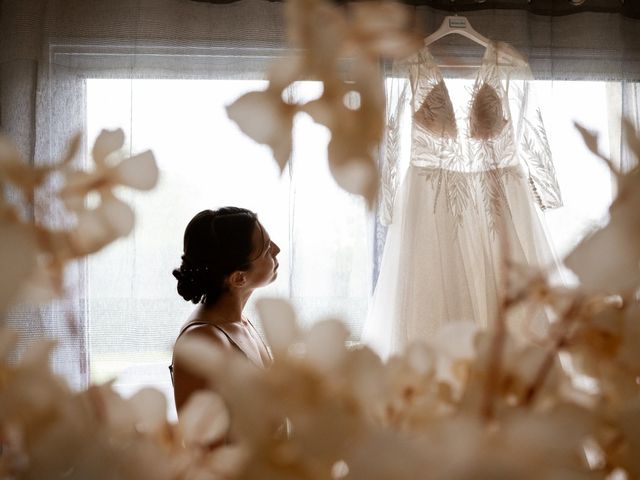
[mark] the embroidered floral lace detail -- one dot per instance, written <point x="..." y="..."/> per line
<point x="486" y="118"/>
<point x="436" y="114"/>
<point x="482" y="191"/>
<point x="500" y="127"/>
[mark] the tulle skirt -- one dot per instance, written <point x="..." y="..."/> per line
<point x="442" y="257"/>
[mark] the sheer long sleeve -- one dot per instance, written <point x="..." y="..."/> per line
<point x="397" y="96"/>
<point x="532" y="142"/>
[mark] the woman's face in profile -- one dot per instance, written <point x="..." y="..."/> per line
<point x="264" y="267"/>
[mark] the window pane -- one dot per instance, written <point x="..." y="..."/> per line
<point x="585" y="181"/>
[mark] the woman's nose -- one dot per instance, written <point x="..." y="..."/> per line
<point x="275" y="248"/>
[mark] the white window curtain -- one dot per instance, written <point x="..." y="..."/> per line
<point x="70" y="65"/>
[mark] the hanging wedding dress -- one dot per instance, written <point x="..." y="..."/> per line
<point x="473" y="170"/>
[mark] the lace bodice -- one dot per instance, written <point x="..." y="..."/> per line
<point x="498" y="127"/>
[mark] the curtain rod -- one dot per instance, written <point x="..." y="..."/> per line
<point x="552" y="8"/>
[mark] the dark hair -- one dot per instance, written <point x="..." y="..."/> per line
<point x="216" y="244"/>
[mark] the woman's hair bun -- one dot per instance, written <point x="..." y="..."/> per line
<point x="188" y="286"/>
<point x="216" y="243"/>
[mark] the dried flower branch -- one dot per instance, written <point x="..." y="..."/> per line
<point x="38" y="254"/>
<point x="340" y="47"/>
<point x="609" y="260"/>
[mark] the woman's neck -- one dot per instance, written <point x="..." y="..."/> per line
<point x="227" y="309"/>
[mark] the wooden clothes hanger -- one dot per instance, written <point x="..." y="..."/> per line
<point x="454" y="24"/>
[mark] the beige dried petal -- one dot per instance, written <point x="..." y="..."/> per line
<point x="45" y="283"/>
<point x="22" y="175"/>
<point x="385" y="455"/>
<point x="321" y="111"/>
<point x="365" y="372"/>
<point x="608" y="260"/>
<point x="199" y="355"/>
<point x="109" y="408"/>
<point x="116" y="215"/>
<point x="591" y="141"/>
<point x="629" y="420"/>
<point x="108" y="141"/>
<point x="77" y="185"/>
<point x="150" y="409"/>
<point x="326" y="343"/>
<point x="18" y="259"/>
<point x="379" y="16"/>
<point x="16" y="170"/>
<point x="380" y="28"/>
<point x="420" y="357"/>
<point x="370" y="88"/>
<point x="318" y="28"/>
<point x="629" y="355"/>
<point x="73" y="202"/>
<point x="282" y="150"/>
<point x="96" y="228"/>
<point x="354" y="171"/>
<point x="72" y="149"/>
<point x="9" y="153"/>
<point x="139" y="171"/>
<point x="456" y="340"/>
<point x="283" y="72"/>
<point x="265" y="118"/>
<point x="37" y="355"/>
<point x="393" y="44"/>
<point x="204" y="419"/>
<point x="8" y="343"/>
<point x="227" y="460"/>
<point x="279" y="323"/>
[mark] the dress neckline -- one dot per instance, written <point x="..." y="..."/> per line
<point x="432" y="62"/>
<point x="436" y="113"/>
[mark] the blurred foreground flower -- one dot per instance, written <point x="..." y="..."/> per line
<point x="36" y="254"/>
<point x="325" y="410"/>
<point x="469" y="404"/>
<point x="340" y="47"/>
<point x="609" y="260"/>
<point x="48" y="431"/>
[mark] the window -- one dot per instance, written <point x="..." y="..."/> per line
<point x="205" y="161"/>
<point x="585" y="181"/>
<point x="134" y="311"/>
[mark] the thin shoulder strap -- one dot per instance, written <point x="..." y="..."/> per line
<point x="189" y="324"/>
<point x="261" y="340"/>
<point x="196" y="322"/>
<point x="185" y="327"/>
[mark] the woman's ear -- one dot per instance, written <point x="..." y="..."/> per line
<point x="237" y="279"/>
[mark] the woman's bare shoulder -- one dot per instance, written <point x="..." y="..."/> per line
<point x="198" y="329"/>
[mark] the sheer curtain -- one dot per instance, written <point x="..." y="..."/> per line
<point x="163" y="70"/>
